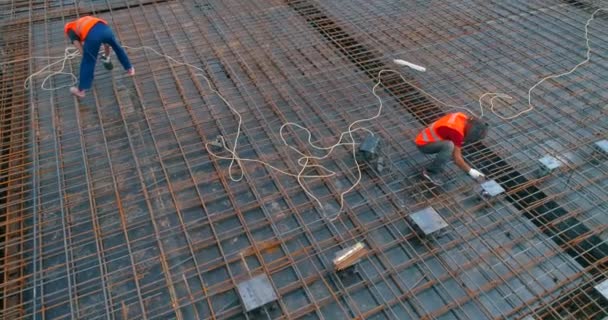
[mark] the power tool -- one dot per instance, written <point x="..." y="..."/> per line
<point x="107" y="63"/>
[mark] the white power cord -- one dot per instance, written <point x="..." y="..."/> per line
<point x="69" y="54"/>
<point x="504" y="96"/>
<point x="305" y="161"/>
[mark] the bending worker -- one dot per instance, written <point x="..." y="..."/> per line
<point x="87" y="34"/>
<point x="445" y="137"/>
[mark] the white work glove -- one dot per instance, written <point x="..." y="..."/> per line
<point x="105" y="59"/>
<point x="476" y="175"/>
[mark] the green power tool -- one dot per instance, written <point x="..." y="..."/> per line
<point x="107" y="63"/>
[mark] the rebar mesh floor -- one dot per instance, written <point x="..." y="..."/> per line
<point x="112" y="207"/>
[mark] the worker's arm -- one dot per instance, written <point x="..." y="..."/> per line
<point x="75" y="40"/>
<point x="475" y="174"/>
<point x="457" y="154"/>
<point x="106" y="50"/>
<point x="78" y="46"/>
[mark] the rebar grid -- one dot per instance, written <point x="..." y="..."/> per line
<point x="125" y="214"/>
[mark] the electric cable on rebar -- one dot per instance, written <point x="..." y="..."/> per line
<point x="494" y="96"/>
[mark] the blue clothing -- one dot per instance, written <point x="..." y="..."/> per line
<point x="100" y="33"/>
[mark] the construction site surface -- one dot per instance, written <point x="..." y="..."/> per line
<point x="128" y="204"/>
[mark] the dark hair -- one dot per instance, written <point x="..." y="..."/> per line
<point x="476" y="130"/>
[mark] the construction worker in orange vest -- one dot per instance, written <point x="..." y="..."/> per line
<point x="445" y="137"/>
<point x="87" y="34"/>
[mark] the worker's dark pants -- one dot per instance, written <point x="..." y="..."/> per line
<point x="443" y="149"/>
<point x="100" y="33"/>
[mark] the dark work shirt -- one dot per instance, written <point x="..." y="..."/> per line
<point x="73" y="36"/>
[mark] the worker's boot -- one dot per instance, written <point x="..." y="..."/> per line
<point x="435" y="178"/>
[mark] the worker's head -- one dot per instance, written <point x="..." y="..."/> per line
<point x="68" y="26"/>
<point x="475" y="130"/>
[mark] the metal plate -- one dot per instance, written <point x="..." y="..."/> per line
<point x="550" y="163"/>
<point x="602" y="146"/>
<point x="428" y="220"/>
<point x="491" y="188"/>
<point x="602" y="288"/>
<point x="256" y="292"/>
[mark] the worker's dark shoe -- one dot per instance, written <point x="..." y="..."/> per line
<point x="77" y="93"/>
<point x="434" y="178"/>
<point x="131" y="71"/>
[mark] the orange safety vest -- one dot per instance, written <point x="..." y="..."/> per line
<point x="82" y="26"/>
<point x="456" y="121"/>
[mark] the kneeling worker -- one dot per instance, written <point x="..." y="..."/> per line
<point x="445" y="137"/>
<point x="87" y="34"/>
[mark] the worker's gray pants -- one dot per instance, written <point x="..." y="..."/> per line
<point x="443" y="149"/>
